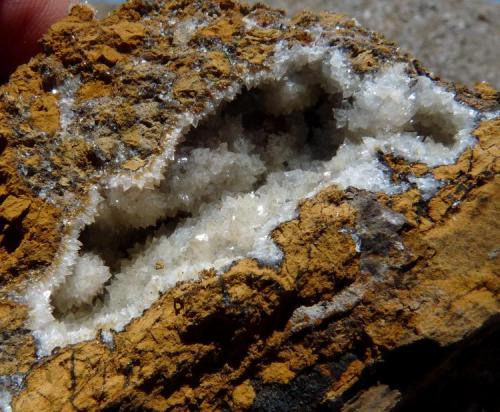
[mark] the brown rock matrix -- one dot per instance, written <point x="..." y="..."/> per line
<point x="377" y="290"/>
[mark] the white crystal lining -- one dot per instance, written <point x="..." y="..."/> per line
<point x="235" y="191"/>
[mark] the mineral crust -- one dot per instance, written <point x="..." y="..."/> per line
<point x="206" y="205"/>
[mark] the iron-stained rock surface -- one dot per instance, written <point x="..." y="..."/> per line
<point x="409" y="320"/>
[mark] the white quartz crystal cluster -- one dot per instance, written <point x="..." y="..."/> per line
<point x="236" y="177"/>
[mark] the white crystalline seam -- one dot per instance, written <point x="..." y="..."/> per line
<point x="5" y="400"/>
<point x="306" y="316"/>
<point x="384" y="103"/>
<point x="38" y="296"/>
<point x="7" y="382"/>
<point x="186" y="29"/>
<point x="107" y="338"/>
<point x="66" y="98"/>
<point x="250" y="23"/>
<point x="338" y="73"/>
<point x="428" y="185"/>
<point x="88" y="277"/>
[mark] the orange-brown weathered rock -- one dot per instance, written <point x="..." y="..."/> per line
<point x="377" y="290"/>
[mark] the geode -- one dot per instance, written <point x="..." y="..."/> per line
<point x="210" y="206"/>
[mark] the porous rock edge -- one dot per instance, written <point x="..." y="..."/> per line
<point x="246" y="339"/>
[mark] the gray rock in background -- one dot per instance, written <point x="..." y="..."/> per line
<point x="457" y="39"/>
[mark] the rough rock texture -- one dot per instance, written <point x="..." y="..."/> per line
<point x="456" y="39"/>
<point x="409" y="320"/>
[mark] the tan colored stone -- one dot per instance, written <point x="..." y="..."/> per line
<point x="277" y="372"/>
<point x="45" y="114"/>
<point x="244" y="395"/>
<point x="94" y="89"/>
<point x="231" y="338"/>
<point x="13" y="207"/>
<point x="133" y="164"/>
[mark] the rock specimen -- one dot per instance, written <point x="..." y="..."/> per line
<point x="208" y="205"/>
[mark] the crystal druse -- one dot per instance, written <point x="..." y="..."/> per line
<point x="209" y="204"/>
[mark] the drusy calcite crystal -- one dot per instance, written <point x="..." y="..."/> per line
<point x="209" y="205"/>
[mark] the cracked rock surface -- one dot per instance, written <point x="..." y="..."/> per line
<point x="361" y="268"/>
